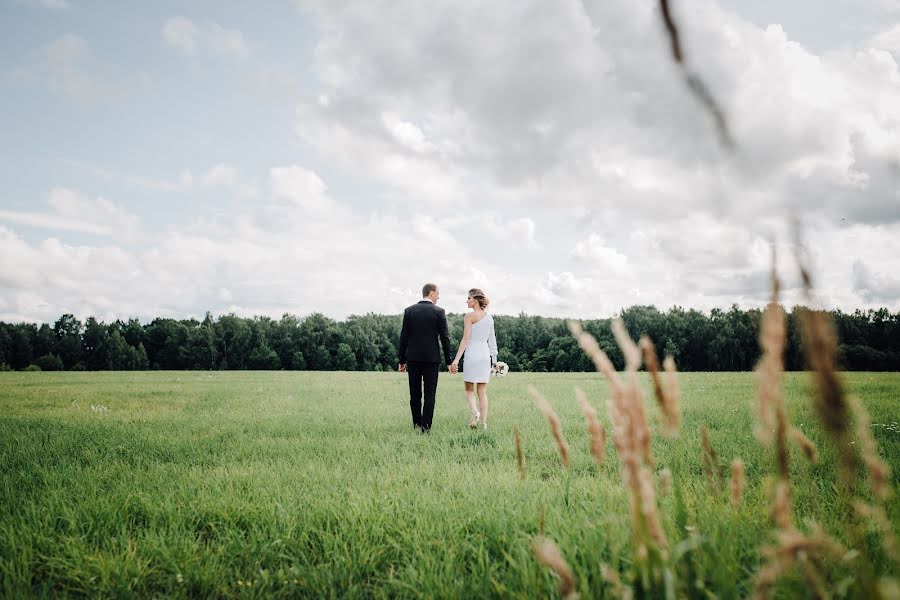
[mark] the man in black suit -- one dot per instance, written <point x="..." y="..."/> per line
<point x="423" y="324"/>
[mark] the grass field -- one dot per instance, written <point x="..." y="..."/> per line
<point x="314" y="484"/>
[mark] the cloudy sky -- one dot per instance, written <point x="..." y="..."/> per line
<point x="168" y="158"/>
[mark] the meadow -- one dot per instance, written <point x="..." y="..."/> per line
<point x="285" y="484"/>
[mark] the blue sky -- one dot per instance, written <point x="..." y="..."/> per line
<point x="165" y="159"/>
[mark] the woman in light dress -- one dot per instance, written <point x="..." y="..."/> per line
<point x="479" y="345"/>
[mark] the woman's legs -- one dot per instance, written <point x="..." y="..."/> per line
<point x="470" y="398"/>
<point x="482" y="400"/>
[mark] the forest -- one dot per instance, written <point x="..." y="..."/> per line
<point x="722" y="340"/>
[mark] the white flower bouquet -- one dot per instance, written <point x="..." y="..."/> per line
<point x="499" y="369"/>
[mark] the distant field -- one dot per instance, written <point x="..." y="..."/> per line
<point x="314" y="484"/>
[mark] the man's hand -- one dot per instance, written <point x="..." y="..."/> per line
<point x="453" y="368"/>
<point x="402" y="368"/>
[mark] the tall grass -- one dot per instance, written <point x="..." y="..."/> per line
<point x="314" y="484"/>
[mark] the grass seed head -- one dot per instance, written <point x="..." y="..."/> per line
<point x="595" y="429"/>
<point x="666" y="396"/>
<point x="672" y="403"/>
<point x="809" y="448"/>
<point x="549" y="555"/>
<point x="781" y="506"/>
<point x="589" y="345"/>
<point x="649" y="509"/>
<point x="711" y="467"/>
<point x="665" y="481"/>
<point x="555" y="425"/>
<point x="879" y="471"/>
<point x="611" y="577"/>
<point x="629" y="349"/>
<point x="737" y="482"/>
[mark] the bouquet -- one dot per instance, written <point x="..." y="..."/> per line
<point x="499" y="369"/>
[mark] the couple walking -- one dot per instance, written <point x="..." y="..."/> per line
<point x="424" y="323"/>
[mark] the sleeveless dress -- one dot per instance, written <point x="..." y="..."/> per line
<point x="481" y="351"/>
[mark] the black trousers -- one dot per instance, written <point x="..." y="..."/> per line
<point x="422" y="374"/>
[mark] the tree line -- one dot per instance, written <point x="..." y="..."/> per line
<point x="718" y="341"/>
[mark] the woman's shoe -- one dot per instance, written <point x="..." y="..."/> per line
<point x="475" y="416"/>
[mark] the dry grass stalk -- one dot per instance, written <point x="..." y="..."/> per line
<point x="808" y="447"/>
<point x="629" y="349"/>
<point x="769" y="372"/>
<point x="555" y="425"/>
<point x="672" y="408"/>
<point x="737" y="482"/>
<point x="780" y="510"/>
<point x="781" y="431"/>
<point x="694" y="83"/>
<point x="879" y="471"/>
<point x="630" y="436"/>
<point x="520" y="456"/>
<point x="665" y="481"/>
<point x="640" y="429"/>
<point x="666" y="396"/>
<point x="619" y="590"/>
<point x="649" y="509"/>
<point x="652" y="363"/>
<point x="820" y="343"/>
<point x="796" y="549"/>
<point x="879" y="516"/>
<point x="549" y="555"/>
<point x="601" y="361"/>
<point x="769" y="369"/>
<point x="596" y="433"/>
<point x="711" y="467"/>
<point x="821" y="350"/>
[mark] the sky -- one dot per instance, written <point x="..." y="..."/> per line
<point x="170" y="158"/>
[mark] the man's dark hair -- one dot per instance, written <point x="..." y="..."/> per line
<point x="428" y="288"/>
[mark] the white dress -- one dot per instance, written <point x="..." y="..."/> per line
<point x="481" y="351"/>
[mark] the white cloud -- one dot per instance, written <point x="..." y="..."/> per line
<point x="303" y="188"/>
<point x="180" y="33"/>
<point x="600" y="117"/>
<point x="67" y="61"/>
<point x="876" y="288"/>
<point x="274" y="85"/>
<point x="74" y="212"/>
<point x="594" y="250"/>
<point x="183" y="35"/>
<point x="227" y="42"/>
<point x="521" y="229"/>
<point x="220" y="174"/>
<point x="566" y="284"/>
<point x="445" y="149"/>
<point x="888" y="40"/>
<point x="405" y="133"/>
<point x="339" y="263"/>
<point x="67" y="66"/>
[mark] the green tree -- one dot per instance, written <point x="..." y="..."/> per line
<point x="50" y="362"/>
<point x="67" y="331"/>
<point x="264" y="358"/>
<point x="345" y="359"/>
<point x="117" y="354"/>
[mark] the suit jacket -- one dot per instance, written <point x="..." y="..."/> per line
<point x="423" y="324"/>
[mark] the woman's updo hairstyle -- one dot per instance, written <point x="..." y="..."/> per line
<point x="479" y="297"/>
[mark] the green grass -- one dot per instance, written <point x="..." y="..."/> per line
<point x="314" y="484"/>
